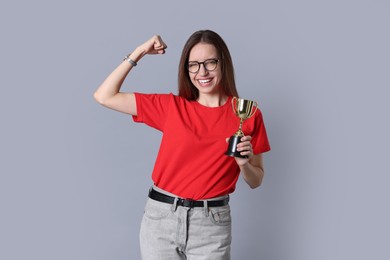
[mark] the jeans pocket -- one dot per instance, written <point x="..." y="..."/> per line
<point x="156" y="210"/>
<point x="220" y="215"/>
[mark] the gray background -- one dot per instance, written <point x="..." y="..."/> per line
<point x="74" y="175"/>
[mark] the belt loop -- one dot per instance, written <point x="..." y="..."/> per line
<point x="174" y="204"/>
<point x="206" y="208"/>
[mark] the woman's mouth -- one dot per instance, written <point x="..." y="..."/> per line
<point x="204" y="81"/>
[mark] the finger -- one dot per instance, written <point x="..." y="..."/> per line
<point x="159" y="43"/>
<point x="246" y="138"/>
<point x="245" y="148"/>
<point x="244" y="144"/>
<point x="247" y="153"/>
<point x="160" y="50"/>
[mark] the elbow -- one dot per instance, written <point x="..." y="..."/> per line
<point x="253" y="177"/>
<point x="98" y="98"/>
<point x="255" y="185"/>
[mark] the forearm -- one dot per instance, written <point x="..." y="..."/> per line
<point x="113" y="83"/>
<point x="252" y="173"/>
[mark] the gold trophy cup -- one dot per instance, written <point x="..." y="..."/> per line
<point x="244" y="109"/>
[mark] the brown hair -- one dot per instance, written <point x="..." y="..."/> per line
<point x="228" y="85"/>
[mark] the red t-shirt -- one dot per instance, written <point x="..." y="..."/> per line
<point x="191" y="162"/>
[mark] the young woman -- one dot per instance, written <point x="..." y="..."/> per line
<point x="187" y="215"/>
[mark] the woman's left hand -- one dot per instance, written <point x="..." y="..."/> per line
<point x="252" y="167"/>
<point x="245" y="148"/>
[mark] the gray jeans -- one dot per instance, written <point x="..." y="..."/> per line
<point x="175" y="232"/>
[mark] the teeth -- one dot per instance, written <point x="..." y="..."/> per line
<point x="204" y="80"/>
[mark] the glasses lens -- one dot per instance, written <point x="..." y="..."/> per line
<point x="210" y="64"/>
<point x="193" y="67"/>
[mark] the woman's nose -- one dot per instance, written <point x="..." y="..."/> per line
<point x="202" y="70"/>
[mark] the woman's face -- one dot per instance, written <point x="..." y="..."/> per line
<point x="207" y="79"/>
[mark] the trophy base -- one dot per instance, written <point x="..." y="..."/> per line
<point x="232" y="149"/>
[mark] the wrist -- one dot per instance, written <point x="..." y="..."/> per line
<point x="137" y="54"/>
<point x="243" y="165"/>
<point x="130" y="60"/>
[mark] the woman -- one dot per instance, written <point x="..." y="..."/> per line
<point x="187" y="215"/>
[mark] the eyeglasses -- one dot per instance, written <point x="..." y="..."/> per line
<point x="209" y="65"/>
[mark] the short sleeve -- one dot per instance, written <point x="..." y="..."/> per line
<point x="259" y="138"/>
<point x="152" y="109"/>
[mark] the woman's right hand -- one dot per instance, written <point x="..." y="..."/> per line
<point x="154" y="45"/>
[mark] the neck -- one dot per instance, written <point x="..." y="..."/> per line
<point x="212" y="100"/>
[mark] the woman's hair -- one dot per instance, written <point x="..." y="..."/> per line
<point x="227" y="83"/>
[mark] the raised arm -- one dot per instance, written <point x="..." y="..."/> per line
<point x="108" y="94"/>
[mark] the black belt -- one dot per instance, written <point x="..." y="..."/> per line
<point x="153" y="194"/>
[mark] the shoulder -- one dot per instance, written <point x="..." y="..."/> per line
<point x="163" y="100"/>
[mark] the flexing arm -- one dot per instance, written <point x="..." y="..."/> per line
<point x="109" y="95"/>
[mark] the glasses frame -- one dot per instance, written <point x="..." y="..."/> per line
<point x="202" y="63"/>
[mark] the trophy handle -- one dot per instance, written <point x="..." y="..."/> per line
<point x="253" y="109"/>
<point x="234" y="101"/>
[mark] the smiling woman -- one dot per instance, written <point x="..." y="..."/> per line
<point x="205" y="48"/>
<point x="206" y="78"/>
<point x="188" y="213"/>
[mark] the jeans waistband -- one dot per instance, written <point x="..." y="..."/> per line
<point x="166" y="197"/>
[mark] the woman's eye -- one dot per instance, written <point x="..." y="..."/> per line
<point x="211" y="62"/>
